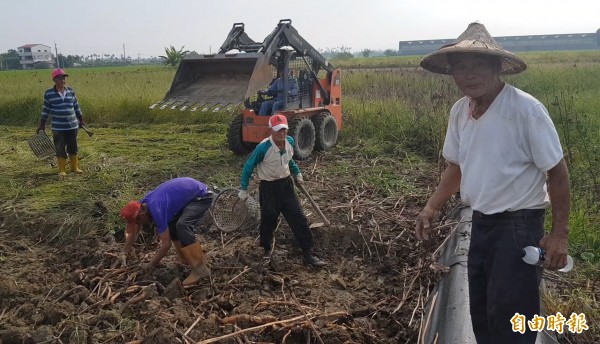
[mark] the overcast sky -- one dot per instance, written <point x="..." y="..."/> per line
<point x="146" y="27"/>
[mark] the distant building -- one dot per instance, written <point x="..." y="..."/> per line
<point x="571" y="41"/>
<point x="34" y="55"/>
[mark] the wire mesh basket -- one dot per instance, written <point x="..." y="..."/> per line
<point x="41" y="145"/>
<point x="230" y="213"/>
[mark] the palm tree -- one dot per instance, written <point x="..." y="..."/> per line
<point x="174" y="56"/>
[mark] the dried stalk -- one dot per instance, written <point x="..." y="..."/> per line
<point x="405" y="294"/>
<point x="312" y="325"/>
<point x="251" y="329"/>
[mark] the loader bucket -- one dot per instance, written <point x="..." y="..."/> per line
<point x="213" y="82"/>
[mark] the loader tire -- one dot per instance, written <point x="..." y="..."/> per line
<point x="326" y="131"/>
<point x="303" y="131"/>
<point x="234" y="137"/>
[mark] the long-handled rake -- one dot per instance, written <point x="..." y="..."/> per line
<point x="230" y="213"/>
<point x="313" y="203"/>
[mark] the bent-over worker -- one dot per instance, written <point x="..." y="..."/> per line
<point x="176" y="207"/>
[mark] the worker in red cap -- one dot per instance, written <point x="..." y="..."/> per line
<point x="60" y="103"/>
<point x="176" y="207"/>
<point x="272" y="159"/>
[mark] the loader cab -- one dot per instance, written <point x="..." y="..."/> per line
<point x="297" y="79"/>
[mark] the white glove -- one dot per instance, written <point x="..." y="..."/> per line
<point x="299" y="179"/>
<point x="123" y="259"/>
<point x="243" y="195"/>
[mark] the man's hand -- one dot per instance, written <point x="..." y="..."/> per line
<point x="299" y="178"/>
<point x="41" y="127"/>
<point x="243" y="195"/>
<point x="556" y="250"/>
<point x="81" y="122"/>
<point x="123" y="259"/>
<point x="423" y="225"/>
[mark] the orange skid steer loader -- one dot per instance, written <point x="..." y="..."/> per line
<point x="311" y="98"/>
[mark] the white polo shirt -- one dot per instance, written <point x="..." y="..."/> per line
<point x="505" y="154"/>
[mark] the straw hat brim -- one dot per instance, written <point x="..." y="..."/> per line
<point x="475" y="40"/>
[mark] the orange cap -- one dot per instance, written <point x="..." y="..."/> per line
<point x="129" y="213"/>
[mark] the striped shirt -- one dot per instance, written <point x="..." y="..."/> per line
<point x="271" y="163"/>
<point x="64" y="112"/>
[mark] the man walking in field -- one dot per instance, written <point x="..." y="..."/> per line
<point x="500" y="146"/>
<point x="176" y="207"/>
<point x="61" y="105"/>
<point x="273" y="160"/>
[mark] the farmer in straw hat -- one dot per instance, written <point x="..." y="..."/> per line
<point x="273" y="160"/>
<point x="500" y="147"/>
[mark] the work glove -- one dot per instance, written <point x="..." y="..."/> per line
<point x="243" y="195"/>
<point x="299" y="179"/>
<point x="41" y="127"/>
<point x="123" y="259"/>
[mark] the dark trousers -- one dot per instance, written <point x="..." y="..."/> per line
<point x="182" y="226"/>
<point x="500" y="283"/>
<point x="278" y="197"/>
<point x="65" y="139"/>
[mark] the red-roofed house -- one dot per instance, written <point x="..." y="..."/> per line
<point x="32" y="54"/>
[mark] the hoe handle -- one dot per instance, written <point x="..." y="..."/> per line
<point x="312" y="202"/>
<point x="90" y="134"/>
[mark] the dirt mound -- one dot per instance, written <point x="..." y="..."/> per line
<point x="373" y="289"/>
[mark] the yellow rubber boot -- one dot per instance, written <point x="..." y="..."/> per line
<point x="177" y="245"/>
<point x="195" y="257"/>
<point x="62" y="165"/>
<point x="74" y="159"/>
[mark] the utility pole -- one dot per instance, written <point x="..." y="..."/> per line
<point x="56" y="51"/>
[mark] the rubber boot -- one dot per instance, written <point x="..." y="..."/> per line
<point x="62" y="165"/>
<point x="177" y="245"/>
<point x="267" y="254"/>
<point x="312" y="260"/>
<point x="74" y="159"/>
<point x="195" y="257"/>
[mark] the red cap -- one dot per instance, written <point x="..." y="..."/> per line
<point x="278" y="122"/>
<point x="129" y="213"/>
<point x="58" y="72"/>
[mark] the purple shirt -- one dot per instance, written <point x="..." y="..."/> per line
<point x="170" y="197"/>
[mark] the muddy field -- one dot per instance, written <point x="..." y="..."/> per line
<point x="373" y="289"/>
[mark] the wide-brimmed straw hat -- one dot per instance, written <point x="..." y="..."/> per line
<point x="476" y="39"/>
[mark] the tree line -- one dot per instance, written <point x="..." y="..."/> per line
<point x="10" y="61"/>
